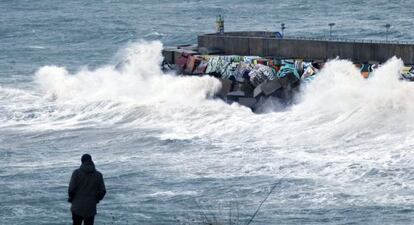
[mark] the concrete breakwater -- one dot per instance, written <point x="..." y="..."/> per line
<point x="265" y="44"/>
<point x="253" y="66"/>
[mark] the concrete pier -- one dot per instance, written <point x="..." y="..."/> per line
<point x="265" y="44"/>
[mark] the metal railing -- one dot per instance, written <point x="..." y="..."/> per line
<point x="271" y="35"/>
<point x="336" y="39"/>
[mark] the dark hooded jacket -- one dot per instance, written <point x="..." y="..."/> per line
<point x="86" y="189"/>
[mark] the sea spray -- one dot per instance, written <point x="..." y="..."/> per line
<point x="109" y="95"/>
<point x="139" y="80"/>
<point x="139" y="94"/>
<point x="342" y="98"/>
<point x="346" y="141"/>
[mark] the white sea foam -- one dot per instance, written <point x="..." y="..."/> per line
<point x="109" y="93"/>
<point x="138" y="93"/>
<point x="139" y="80"/>
<point x="348" y="135"/>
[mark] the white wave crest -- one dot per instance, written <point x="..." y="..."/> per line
<point x="140" y="80"/>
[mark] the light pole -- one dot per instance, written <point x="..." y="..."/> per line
<point x="330" y="29"/>
<point x="387" y="28"/>
<point x="283" y="27"/>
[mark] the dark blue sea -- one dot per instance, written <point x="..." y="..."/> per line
<point x="169" y="152"/>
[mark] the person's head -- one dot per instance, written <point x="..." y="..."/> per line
<point x="86" y="158"/>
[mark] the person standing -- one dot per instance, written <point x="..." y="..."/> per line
<point x="86" y="189"/>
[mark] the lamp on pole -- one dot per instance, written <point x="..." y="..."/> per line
<point x="282" y="27"/>
<point x="387" y="28"/>
<point x="330" y="29"/>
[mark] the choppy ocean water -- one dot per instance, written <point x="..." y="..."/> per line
<point x="343" y="154"/>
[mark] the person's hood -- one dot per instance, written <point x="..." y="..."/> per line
<point x="88" y="167"/>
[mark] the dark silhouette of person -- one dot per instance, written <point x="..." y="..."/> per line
<point x="86" y="189"/>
